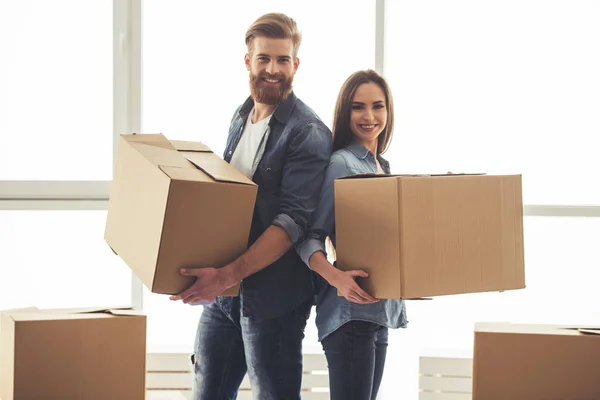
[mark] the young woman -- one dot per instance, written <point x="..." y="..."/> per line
<point x="353" y="329"/>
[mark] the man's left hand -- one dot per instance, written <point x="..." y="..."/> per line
<point x="210" y="283"/>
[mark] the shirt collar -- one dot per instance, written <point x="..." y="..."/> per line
<point x="362" y="152"/>
<point x="282" y="112"/>
<point x="358" y="150"/>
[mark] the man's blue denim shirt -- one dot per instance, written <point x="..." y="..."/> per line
<point x="333" y="311"/>
<point x="289" y="176"/>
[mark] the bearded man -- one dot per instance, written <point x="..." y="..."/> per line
<point x="276" y="140"/>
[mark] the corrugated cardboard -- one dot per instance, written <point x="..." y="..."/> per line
<point x="422" y="236"/>
<point x="78" y="354"/>
<point x="173" y="205"/>
<point x="536" y="362"/>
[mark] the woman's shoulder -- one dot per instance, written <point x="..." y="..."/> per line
<point x="349" y="154"/>
<point x="338" y="164"/>
<point x="340" y="156"/>
<point x="349" y="161"/>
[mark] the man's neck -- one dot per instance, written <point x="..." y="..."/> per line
<point x="262" y="111"/>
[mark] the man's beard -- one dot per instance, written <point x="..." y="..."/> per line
<point x="271" y="95"/>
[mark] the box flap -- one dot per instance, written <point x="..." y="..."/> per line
<point x="34" y="314"/>
<point x="456" y="174"/>
<point x="113" y="250"/>
<point x="586" y="330"/>
<point x="158" y="140"/>
<point x="183" y="155"/>
<point x="361" y="176"/>
<point x="19" y="310"/>
<point x="160" y="155"/>
<point x="370" y="175"/>
<point x="192" y="173"/>
<point x="94" y="310"/>
<point x="83" y="310"/>
<point x="544" y="329"/>
<point x="182" y="145"/>
<point x="25" y="310"/>
<point x="589" y="331"/>
<point x="215" y="167"/>
<point x="125" y="312"/>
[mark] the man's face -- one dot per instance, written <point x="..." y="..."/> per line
<point x="272" y="67"/>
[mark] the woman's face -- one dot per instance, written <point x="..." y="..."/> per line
<point x="369" y="112"/>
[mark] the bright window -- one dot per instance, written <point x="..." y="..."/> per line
<point x="55" y="259"/>
<point x="56" y="90"/>
<point x="499" y="87"/>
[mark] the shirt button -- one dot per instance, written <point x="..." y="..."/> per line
<point x="268" y="169"/>
<point x="230" y="152"/>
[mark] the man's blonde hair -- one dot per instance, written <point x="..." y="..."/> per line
<point x="276" y="26"/>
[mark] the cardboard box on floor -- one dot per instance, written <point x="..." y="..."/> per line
<point x="176" y="204"/>
<point x="421" y="236"/>
<point x="79" y="354"/>
<point x="530" y="362"/>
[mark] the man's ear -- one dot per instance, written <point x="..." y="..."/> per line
<point x="247" y="61"/>
<point x="296" y="64"/>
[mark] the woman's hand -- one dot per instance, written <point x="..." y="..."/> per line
<point x="345" y="283"/>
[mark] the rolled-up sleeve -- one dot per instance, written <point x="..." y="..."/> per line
<point x="323" y="223"/>
<point x="285" y="222"/>
<point x="303" y="174"/>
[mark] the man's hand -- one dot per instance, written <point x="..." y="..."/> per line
<point x="210" y="283"/>
<point x="345" y="283"/>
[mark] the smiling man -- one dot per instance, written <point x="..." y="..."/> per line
<point x="282" y="145"/>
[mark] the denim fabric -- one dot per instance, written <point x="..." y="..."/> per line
<point x="356" y="358"/>
<point x="228" y="345"/>
<point x="289" y="175"/>
<point x="333" y="311"/>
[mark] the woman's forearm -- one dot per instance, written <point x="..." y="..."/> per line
<point x="320" y="264"/>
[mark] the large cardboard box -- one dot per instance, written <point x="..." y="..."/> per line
<point x="75" y="354"/>
<point x="536" y="362"/>
<point x="421" y="236"/>
<point x="176" y="204"/>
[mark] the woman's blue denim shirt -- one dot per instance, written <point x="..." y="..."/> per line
<point x="333" y="311"/>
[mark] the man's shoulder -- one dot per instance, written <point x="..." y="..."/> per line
<point x="305" y="126"/>
<point x="304" y="114"/>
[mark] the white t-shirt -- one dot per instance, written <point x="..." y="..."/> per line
<point x="245" y="153"/>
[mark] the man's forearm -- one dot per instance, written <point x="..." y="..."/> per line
<point x="268" y="248"/>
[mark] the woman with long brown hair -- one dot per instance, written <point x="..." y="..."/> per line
<point x="353" y="328"/>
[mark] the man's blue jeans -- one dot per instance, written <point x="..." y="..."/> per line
<point x="228" y="345"/>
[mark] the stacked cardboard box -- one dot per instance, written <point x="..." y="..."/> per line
<point x="84" y="354"/>
<point x="536" y="362"/>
